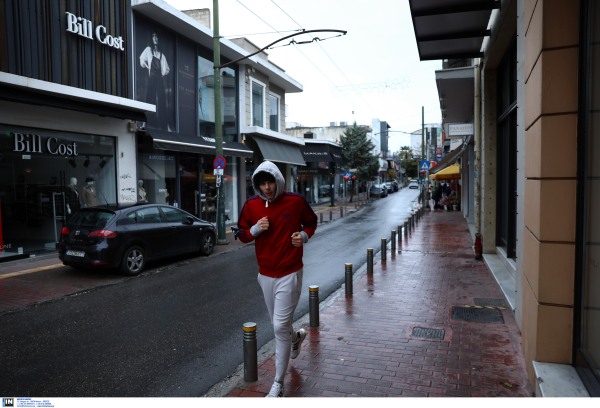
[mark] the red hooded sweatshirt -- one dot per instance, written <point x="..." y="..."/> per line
<point x="287" y="213"/>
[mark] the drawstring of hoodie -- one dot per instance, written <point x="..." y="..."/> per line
<point x="267" y="203"/>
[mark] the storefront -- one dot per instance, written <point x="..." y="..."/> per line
<point x="66" y="102"/>
<point x="323" y="173"/>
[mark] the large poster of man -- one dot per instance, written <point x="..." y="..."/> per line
<point x="154" y="81"/>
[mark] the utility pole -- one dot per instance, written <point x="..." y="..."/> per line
<point x="423" y="153"/>
<point x="218" y="124"/>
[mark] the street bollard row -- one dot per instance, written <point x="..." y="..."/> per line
<point x="405" y="228"/>
<point x="393" y="240"/>
<point x="330" y="215"/>
<point x="250" y="352"/>
<point x="369" y="261"/>
<point x="321" y="218"/>
<point x="399" y="233"/>
<point x="383" y="248"/>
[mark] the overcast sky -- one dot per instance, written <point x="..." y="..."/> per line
<point x="379" y="48"/>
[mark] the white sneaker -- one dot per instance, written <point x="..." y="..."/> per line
<point x="297" y="345"/>
<point x="276" y="391"/>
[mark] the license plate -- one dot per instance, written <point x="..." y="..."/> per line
<point x="75" y="253"/>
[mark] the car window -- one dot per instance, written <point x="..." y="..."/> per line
<point x="174" y="215"/>
<point x="132" y="217"/>
<point x="148" y="215"/>
<point x="91" y="218"/>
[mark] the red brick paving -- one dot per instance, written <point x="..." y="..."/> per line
<point x="363" y="346"/>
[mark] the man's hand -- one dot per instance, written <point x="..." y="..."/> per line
<point x="263" y="224"/>
<point x="297" y="239"/>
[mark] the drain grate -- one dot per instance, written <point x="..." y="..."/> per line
<point x="469" y="314"/>
<point x="489" y="302"/>
<point x="425" y="333"/>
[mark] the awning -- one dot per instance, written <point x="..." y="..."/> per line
<point x="279" y="152"/>
<point x="449" y="173"/>
<point x="451" y="29"/>
<point x="450" y="159"/>
<point x="456" y="90"/>
<point x="336" y="153"/>
<point x="315" y="152"/>
<point x="195" y="144"/>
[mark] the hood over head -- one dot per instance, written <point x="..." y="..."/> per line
<point x="272" y="169"/>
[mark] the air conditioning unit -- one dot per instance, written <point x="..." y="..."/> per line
<point x="344" y="123"/>
<point x="332" y="123"/>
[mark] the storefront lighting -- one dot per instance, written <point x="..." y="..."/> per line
<point x="72" y="163"/>
<point x="102" y="163"/>
<point x="87" y="161"/>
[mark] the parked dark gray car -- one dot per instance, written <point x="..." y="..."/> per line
<point x="378" y="189"/>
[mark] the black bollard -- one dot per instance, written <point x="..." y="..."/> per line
<point x="399" y="233"/>
<point x="341" y="212"/>
<point x="250" y="352"/>
<point x="405" y="228"/>
<point x="369" y="261"/>
<point x="313" y="305"/>
<point x="348" y="279"/>
<point x="330" y="215"/>
<point x="383" y="248"/>
<point x="393" y="240"/>
<point x="321" y="218"/>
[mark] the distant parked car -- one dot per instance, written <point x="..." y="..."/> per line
<point x="378" y="189"/>
<point x="388" y="186"/>
<point x="413" y="184"/>
<point x="127" y="236"/>
<point x="395" y="185"/>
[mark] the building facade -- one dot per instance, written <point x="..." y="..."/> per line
<point x="533" y="105"/>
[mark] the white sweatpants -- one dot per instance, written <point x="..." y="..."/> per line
<point x="282" y="296"/>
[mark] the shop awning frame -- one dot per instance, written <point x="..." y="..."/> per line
<point x="279" y="152"/>
<point x="451" y="29"/>
<point x="195" y="144"/>
<point x="451" y="158"/>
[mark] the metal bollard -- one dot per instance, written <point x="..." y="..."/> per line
<point x="250" y="352"/>
<point x="383" y="248"/>
<point x="341" y="212"/>
<point x="313" y="305"/>
<point x="406" y="228"/>
<point x="369" y="261"/>
<point x="321" y="218"/>
<point x="330" y="215"/>
<point x="399" y="233"/>
<point x="410" y="223"/>
<point x="348" y="279"/>
<point x="417" y="215"/>
<point x="393" y="240"/>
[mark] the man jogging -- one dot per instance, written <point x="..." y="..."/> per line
<point x="280" y="222"/>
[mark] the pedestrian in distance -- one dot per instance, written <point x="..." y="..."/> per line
<point x="280" y="223"/>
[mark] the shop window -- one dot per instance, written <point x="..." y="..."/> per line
<point x="506" y="133"/>
<point x="258" y="103"/>
<point x="45" y="178"/>
<point x="156" y="174"/>
<point x="274" y="112"/>
<point x="587" y="289"/>
<point x="206" y="100"/>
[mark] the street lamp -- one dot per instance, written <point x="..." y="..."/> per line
<point x="218" y="124"/>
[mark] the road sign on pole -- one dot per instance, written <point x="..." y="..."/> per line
<point x="219" y="162"/>
<point x="424" y="165"/>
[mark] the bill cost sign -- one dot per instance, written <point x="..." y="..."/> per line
<point x="83" y="27"/>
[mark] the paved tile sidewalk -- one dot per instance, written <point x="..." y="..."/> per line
<point x="364" y="347"/>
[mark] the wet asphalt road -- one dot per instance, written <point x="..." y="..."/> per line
<point x="176" y="332"/>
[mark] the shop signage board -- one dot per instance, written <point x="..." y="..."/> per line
<point x="460" y="129"/>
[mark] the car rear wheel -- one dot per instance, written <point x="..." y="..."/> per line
<point x="207" y="244"/>
<point x="133" y="261"/>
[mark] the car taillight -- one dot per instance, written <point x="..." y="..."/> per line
<point x="102" y="233"/>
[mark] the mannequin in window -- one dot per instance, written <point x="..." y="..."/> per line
<point x="88" y="194"/>
<point x="72" y="197"/>
<point x="142" y="198"/>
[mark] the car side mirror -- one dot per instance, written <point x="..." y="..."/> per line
<point x="190" y="219"/>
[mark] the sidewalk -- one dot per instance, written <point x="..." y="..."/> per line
<point x="364" y="346"/>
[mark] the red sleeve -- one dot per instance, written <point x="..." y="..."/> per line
<point x="308" y="218"/>
<point x="245" y="223"/>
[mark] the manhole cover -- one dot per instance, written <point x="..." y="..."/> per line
<point x="470" y="314"/>
<point x="489" y="302"/>
<point x="425" y="333"/>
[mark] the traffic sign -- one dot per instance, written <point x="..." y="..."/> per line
<point x="347" y="173"/>
<point x="218" y="172"/>
<point x="424" y="165"/>
<point x="219" y="162"/>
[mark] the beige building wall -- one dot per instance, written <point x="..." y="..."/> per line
<point x="551" y="66"/>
